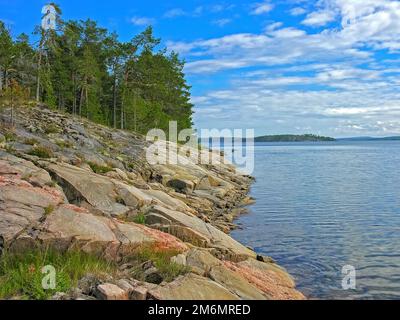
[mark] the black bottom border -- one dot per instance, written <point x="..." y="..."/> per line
<point x="193" y="309"/>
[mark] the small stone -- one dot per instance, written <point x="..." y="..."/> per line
<point x="88" y="284"/>
<point x="110" y="291"/>
<point x="179" y="260"/>
<point x="126" y="266"/>
<point x="125" y="285"/>
<point x="59" y="296"/>
<point x="265" y="259"/>
<point x="139" y="294"/>
<point x="147" y="265"/>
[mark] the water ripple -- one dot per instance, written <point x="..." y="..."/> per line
<point x="320" y="207"/>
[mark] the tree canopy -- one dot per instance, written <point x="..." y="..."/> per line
<point x="84" y="69"/>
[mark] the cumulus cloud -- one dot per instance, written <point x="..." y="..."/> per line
<point x="262" y="8"/>
<point x="142" y="21"/>
<point x="298" y="11"/>
<point x="330" y="80"/>
<point x="319" y="18"/>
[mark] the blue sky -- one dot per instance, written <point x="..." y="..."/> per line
<point x="329" y="67"/>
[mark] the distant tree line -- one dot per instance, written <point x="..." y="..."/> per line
<point x="85" y="70"/>
<point x="293" y="138"/>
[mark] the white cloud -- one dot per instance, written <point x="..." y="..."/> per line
<point x="319" y="18"/>
<point x="142" y="21"/>
<point x="262" y="8"/>
<point x="222" y="22"/>
<point x="298" y="11"/>
<point x="173" y="13"/>
<point x="329" y="81"/>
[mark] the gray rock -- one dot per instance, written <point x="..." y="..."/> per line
<point x="139" y="294"/>
<point x="152" y="275"/>
<point x="192" y="287"/>
<point x="110" y="291"/>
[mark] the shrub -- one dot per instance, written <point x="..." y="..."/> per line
<point x="41" y="152"/>
<point x="21" y="273"/>
<point x="99" y="169"/>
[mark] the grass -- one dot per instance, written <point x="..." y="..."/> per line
<point x="51" y="184"/>
<point x="50" y="129"/>
<point x="21" y="274"/>
<point x="99" y="169"/>
<point x="139" y="219"/>
<point x="64" y="144"/>
<point x="161" y="259"/>
<point x="41" y="152"/>
<point x="31" y="142"/>
<point x="9" y="149"/>
<point x="10" y="136"/>
<point x="49" y="210"/>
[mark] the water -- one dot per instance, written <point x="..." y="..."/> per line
<point x="322" y="206"/>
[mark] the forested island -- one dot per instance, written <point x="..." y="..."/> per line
<point x="294" y="138"/>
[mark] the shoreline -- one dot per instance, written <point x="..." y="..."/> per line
<point x="93" y="190"/>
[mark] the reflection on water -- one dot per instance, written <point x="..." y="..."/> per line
<point x="322" y="206"/>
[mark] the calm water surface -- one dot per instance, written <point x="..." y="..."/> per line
<point x="322" y="206"/>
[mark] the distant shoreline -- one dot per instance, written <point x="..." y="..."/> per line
<point x="294" y="138"/>
<point x="394" y="138"/>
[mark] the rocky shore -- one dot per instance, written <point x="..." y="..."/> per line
<point x="70" y="184"/>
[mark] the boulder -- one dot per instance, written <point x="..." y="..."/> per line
<point x="204" y="232"/>
<point x="23" y="206"/>
<point x="80" y="185"/>
<point x="166" y="200"/>
<point x="201" y="260"/>
<point x="192" y="287"/>
<point x="132" y="196"/>
<point x="139" y="294"/>
<point x="71" y="226"/>
<point x="110" y="291"/>
<point x="11" y="166"/>
<point x="273" y="281"/>
<point x="235" y="283"/>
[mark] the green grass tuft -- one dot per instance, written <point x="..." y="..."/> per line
<point x="21" y="274"/>
<point x="140" y="219"/>
<point x="51" y="128"/>
<point x="99" y="169"/>
<point x="10" y="136"/>
<point x="64" y="144"/>
<point x="49" y="210"/>
<point x="161" y="259"/>
<point x="41" y="152"/>
<point x="31" y="141"/>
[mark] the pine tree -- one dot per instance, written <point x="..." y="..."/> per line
<point x="83" y="69"/>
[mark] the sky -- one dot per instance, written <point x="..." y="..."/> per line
<point x="328" y="67"/>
